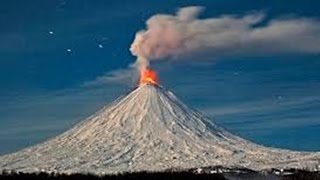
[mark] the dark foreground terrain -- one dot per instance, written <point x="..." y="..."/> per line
<point x="200" y="173"/>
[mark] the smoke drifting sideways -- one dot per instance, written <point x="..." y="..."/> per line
<point x="184" y="34"/>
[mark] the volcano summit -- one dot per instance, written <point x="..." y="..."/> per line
<point x="149" y="129"/>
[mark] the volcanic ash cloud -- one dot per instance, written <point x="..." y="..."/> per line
<point x="184" y="34"/>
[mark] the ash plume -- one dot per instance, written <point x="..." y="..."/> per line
<point x="185" y="34"/>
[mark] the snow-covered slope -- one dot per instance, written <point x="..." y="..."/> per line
<point x="150" y="129"/>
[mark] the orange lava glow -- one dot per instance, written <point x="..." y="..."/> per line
<point x="148" y="76"/>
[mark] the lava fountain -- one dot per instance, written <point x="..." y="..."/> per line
<point x="148" y="76"/>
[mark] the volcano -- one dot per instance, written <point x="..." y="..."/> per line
<point x="150" y="129"/>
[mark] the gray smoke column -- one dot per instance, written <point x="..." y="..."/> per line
<point x="184" y="34"/>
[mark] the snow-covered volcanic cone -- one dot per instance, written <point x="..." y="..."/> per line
<point x="150" y="129"/>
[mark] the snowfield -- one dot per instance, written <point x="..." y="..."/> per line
<point x="150" y="130"/>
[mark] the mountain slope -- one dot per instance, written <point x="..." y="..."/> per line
<point x="149" y="129"/>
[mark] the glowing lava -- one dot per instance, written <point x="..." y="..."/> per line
<point x="148" y="76"/>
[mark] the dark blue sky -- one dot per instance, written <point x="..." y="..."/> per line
<point x="270" y="99"/>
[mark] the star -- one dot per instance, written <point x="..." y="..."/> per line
<point x="100" y="46"/>
<point x="279" y="97"/>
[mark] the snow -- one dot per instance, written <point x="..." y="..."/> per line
<point x="150" y="129"/>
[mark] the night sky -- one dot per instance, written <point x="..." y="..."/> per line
<point x="54" y="55"/>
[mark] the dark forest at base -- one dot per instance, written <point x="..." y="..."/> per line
<point x="298" y="174"/>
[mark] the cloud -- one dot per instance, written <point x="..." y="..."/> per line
<point x="128" y="77"/>
<point x="268" y="114"/>
<point x="184" y="34"/>
<point x="266" y="106"/>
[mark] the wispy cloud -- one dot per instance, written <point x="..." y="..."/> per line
<point x="260" y="106"/>
<point x="128" y="77"/>
<point x="269" y="114"/>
